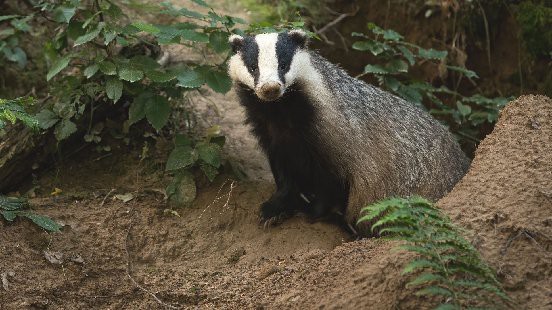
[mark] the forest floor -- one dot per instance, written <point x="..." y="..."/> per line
<point x="120" y="249"/>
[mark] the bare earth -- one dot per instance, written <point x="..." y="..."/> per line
<point x="117" y="255"/>
<point x="132" y="255"/>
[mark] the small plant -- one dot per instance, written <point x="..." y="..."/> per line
<point x="447" y="267"/>
<point x="204" y="154"/>
<point x="398" y="57"/>
<point x="10" y="208"/>
<point x="12" y="110"/>
<point x="9" y="39"/>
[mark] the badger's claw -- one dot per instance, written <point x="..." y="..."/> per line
<point x="272" y="221"/>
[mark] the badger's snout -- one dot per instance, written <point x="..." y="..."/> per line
<point x="269" y="91"/>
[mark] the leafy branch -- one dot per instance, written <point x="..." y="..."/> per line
<point x="398" y="56"/>
<point x="12" y="110"/>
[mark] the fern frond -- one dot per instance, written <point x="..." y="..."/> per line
<point x="426" y="278"/>
<point x="447" y="266"/>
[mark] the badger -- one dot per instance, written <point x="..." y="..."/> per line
<point x="335" y="143"/>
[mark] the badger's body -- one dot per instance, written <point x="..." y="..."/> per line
<point x="335" y="143"/>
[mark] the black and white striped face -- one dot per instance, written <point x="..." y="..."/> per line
<point x="266" y="62"/>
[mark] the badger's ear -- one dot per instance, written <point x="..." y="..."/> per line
<point x="236" y="42"/>
<point x="299" y="36"/>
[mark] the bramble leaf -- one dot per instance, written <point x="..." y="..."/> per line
<point x="114" y="88"/>
<point x="59" y="65"/>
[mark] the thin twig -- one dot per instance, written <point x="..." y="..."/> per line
<point x="228" y="195"/>
<point x="103" y="201"/>
<point x="336" y="21"/>
<point x="128" y="269"/>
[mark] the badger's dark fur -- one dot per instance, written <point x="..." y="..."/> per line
<point x="334" y="143"/>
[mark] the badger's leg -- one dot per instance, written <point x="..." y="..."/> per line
<point x="287" y="197"/>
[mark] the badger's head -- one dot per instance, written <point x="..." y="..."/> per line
<point x="267" y="63"/>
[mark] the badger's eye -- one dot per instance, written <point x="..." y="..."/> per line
<point x="255" y="68"/>
<point x="282" y="66"/>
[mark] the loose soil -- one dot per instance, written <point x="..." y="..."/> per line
<point x="117" y="255"/>
<point x="139" y="254"/>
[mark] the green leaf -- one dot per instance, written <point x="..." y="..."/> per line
<point x="182" y="140"/>
<point x="46" y="119"/>
<point x="16" y="55"/>
<point x="410" y="94"/>
<point x="107" y="68"/>
<point x="468" y="73"/>
<point x="190" y="13"/>
<point x="464" y="109"/>
<point x="137" y="110"/>
<point x="10" y="215"/>
<point x="407" y="54"/>
<point x="63" y="14"/>
<point x="59" y="65"/>
<point x="109" y="36"/>
<point x="374" y="47"/>
<point x="421" y="264"/>
<point x="130" y="74"/>
<point x="64" y="129"/>
<point x="432" y="54"/>
<point x="13" y="203"/>
<point x="43" y="221"/>
<point x="425" y="278"/>
<point x="158" y="111"/>
<point x="218" y="41"/>
<point x="91" y="70"/>
<point x="448" y="307"/>
<point x="210" y="171"/>
<point x="6" y="17"/>
<point x="201" y="2"/>
<point x="434" y="291"/>
<point x="209" y="153"/>
<point x="89" y="36"/>
<point x="181" y="157"/>
<point x="149" y="28"/>
<point x="160" y="77"/>
<point x="392" y="35"/>
<point x="114" y="88"/>
<point x="189" y="78"/>
<point x="194" y="36"/>
<point x="375" y="69"/>
<point x="219" y="81"/>
<point x="396" y="66"/>
<point x="143" y="63"/>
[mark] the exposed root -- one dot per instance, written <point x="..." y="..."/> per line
<point x="228" y="195"/>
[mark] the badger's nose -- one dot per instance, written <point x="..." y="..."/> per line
<point x="270" y="91"/>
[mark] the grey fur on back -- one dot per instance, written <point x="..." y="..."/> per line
<point x="384" y="145"/>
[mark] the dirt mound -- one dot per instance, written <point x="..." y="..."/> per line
<point x="214" y="255"/>
<point x="505" y="200"/>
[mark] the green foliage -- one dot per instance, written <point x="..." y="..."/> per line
<point x="447" y="266"/>
<point x="12" y="110"/>
<point x="10" y="208"/>
<point x="535" y="20"/>
<point x="86" y="48"/>
<point x="13" y="26"/>
<point x="398" y="56"/>
<point x="204" y="154"/>
<point x="273" y="12"/>
<point x="102" y="53"/>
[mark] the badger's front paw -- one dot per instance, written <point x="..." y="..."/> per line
<point x="273" y="212"/>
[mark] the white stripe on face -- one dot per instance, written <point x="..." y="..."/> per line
<point x="238" y="71"/>
<point x="268" y="60"/>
